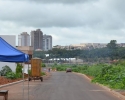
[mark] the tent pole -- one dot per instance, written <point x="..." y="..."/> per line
<point x="23" y="81"/>
<point x="28" y="81"/>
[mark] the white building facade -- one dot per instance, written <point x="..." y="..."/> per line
<point x="24" y="39"/>
<point x="47" y="42"/>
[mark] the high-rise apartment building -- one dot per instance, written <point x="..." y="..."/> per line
<point x="47" y="42"/>
<point x="24" y="39"/>
<point x="37" y="39"/>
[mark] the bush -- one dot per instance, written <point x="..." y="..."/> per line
<point x="11" y="75"/>
<point x="43" y="65"/>
<point x="6" y="69"/>
<point x="43" y="73"/>
<point x="18" y="75"/>
<point x="112" y="75"/>
<point x="29" y="72"/>
<point x="19" y="68"/>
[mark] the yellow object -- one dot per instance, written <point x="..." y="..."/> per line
<point x="36" y="67"/>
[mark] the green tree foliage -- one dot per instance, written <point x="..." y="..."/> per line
<point x="113" y="48"/>
<point x="29" y="72"/>
<point x="19" y="68"/>
<point x="11" y="75"/>
<point x="43" y="73"/>
<point x="39" y="54"/>
<point x="18" y="73"/>
<point x="113" y="76"/>
<point x="6" y="69"/>
<point x="112" y="51"/>
<point x="43" y="65"/>
<point x="112" y="44"/>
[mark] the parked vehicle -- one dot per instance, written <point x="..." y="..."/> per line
<point x="68" y="70"/>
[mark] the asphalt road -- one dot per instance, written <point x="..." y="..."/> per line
<point x="70" y="86"/>
<point x="60" y="86"/>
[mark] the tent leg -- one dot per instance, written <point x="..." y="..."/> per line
<point x="28" y="81"/>
<point x="23" y="83"/>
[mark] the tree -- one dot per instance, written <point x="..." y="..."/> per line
<point x="19" y="68"/>
<point x="112" y="44"/>
<point x="113" y="49"/>
<point x="5" y="69"/>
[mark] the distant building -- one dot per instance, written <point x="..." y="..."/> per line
<point x="77" y="46"/>
<point x="58" y="46"/>
<point x="47" y="42"/>
<point x="82" y="46"/>
<point x="121" y="44"/>
<point x="24" y="39"/>
<point x="26" y="49"/>
<point x="37" y="39"/>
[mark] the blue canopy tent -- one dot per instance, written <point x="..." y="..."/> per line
<point x="10" y="54"/>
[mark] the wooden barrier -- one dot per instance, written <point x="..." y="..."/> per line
<point x="4" y="93"/>
<point x="36" y="69"/>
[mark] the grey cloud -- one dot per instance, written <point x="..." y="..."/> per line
<point x="83" y="21"/>
<point x="47" y="17"/>
<point x="62" y="1"/>
<point x="91" y="15"/>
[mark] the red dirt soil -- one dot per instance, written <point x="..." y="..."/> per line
<point x="4" y="80"/>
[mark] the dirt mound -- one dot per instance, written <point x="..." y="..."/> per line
<point x="4" y="80"/>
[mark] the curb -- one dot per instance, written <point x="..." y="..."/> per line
<point x="9" y="84"/>
<point x="122" y="97"/>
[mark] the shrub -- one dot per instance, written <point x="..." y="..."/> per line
<point x="18" y="75"/>
<point x="11" y="75"/>
<point x="19" y="68"/>
<point x="6" y="69"/>
<point x="43" y="65"/>
<point x="29" y="72"/>
<point x="43" y="73"/>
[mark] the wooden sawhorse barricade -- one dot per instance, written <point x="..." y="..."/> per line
<point x="4" y="93"/>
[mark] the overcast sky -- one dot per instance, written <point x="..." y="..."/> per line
<point x="68" y="21"/>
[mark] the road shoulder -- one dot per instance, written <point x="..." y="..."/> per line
<point x="117" y="94"/>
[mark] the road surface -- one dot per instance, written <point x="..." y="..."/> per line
<point x="70" y="86"/>
<point x="60" y="86"/>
